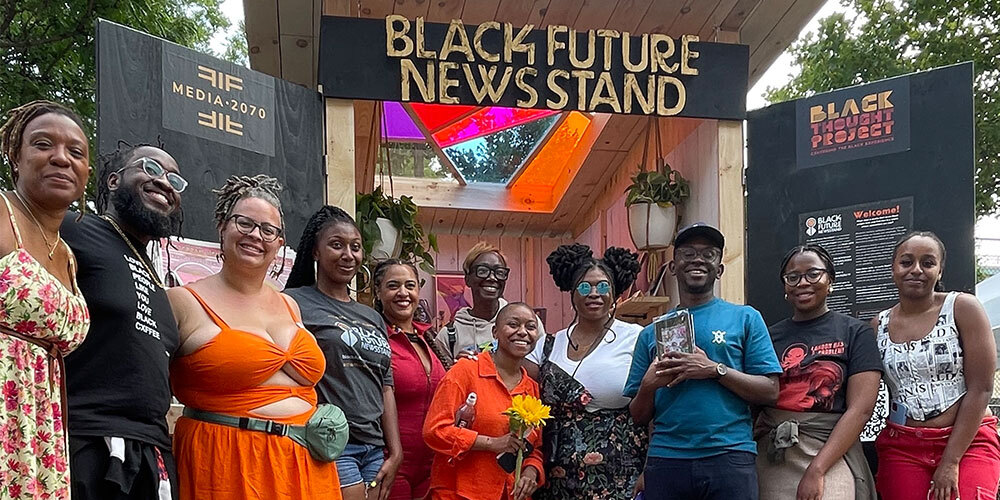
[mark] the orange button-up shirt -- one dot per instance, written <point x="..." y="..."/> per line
<point x="458" y="472"/>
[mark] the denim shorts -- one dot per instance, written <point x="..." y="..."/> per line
<point x="359" y="463"/>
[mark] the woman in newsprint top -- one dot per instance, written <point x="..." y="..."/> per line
<point x="807" y="444"/>
<point x="940" y="441"/>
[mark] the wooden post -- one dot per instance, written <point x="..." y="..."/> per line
<point x="732" y="205"/>
<point x="340" y="154"/>
<point x="340" y="169"/>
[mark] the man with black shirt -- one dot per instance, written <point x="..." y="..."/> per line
<point x="117" y="381"/>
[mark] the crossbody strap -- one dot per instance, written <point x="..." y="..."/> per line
<point x="245" y="423"/>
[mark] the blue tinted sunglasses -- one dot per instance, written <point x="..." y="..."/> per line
<point x="602" y="287"/>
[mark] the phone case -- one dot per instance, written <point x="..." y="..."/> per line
<point x="508" y="461"/>
<point x="675" y="332"/>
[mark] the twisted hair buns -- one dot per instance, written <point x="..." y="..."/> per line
<point x="569" y="263"/>
<point x="565" y="261"/>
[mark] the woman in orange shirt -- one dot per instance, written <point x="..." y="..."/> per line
<point x="245" y="359"/>
<point x="465" y="460"/>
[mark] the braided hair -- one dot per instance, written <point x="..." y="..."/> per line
<point x="939" y="286"/>
<point x="568" y="264"/>
<point x="240" y="187"/>
<point x="12" y="134"/>
<point x="304" y="269"/>
<point x="810" y="248"/>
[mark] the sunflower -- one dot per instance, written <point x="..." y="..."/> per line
<point x="528" y="410"/>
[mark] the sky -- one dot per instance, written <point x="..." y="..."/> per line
<point x="778" y="74"/>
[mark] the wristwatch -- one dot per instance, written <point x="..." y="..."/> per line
<point x="721" y="369"/>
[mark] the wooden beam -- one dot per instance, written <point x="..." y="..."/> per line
<point x="783" y="33"/>
<point x="564" y="12"/>
<point x="376" y="9"/>
<point x="479" y="11"/>
<point x="340" y="190"/>
<point x="411" y="8"/>
<point x="475" y="196"/>
<point x="515" y="12"/>
<point x="659" y="16"/>
<point x="741" y="11"/>
<point x="366" y="144"/>
<point x="443" y="11"/>
<point x="594" y="14"/>
<point x="722" y="10"/>
<point x="261" y="21"/>
<point x="692" y="17"/>
<point x="732" y="209"/>
<point x="628" y="14"/>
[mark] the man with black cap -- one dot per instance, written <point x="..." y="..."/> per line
<point x="701" y="446"/>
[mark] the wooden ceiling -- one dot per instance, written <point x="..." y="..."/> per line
<point x="283" y="38"/>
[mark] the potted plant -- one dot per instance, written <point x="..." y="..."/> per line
<point x="652" y="206"/>
<point x="389" y="229"/>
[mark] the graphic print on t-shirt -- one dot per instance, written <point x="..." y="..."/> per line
<point x="810" y="385"/>
<point x="144" y="322"/>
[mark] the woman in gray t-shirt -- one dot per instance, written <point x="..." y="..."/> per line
<point x="353" y="338"/>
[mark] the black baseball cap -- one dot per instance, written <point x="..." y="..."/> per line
<point x="703" y="230"/>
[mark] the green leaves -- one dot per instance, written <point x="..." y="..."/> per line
<point x="402" y="212"/>
<point x="665" y="189"/>
<point x="887" y="38"/>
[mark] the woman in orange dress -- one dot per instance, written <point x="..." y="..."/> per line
<point x="465" y="459"/>
<point x="244" y="353"/>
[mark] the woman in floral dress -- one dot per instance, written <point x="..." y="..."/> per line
<point x="42" y="314"/>
<point x="593" y="449"/>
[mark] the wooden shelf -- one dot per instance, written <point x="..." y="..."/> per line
<point x="642" y="310"/>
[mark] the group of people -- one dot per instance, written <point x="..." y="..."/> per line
<point x="93" y="346"/>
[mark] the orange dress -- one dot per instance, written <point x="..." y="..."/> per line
<point x="217" y="462"/>
<point x="458" y="472"/>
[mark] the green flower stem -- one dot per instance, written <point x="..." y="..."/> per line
<point x="520" y="457"/>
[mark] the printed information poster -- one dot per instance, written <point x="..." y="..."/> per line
<point x="860" y="238"/>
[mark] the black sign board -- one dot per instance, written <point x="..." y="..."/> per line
<point x="215" y="118"/>
<point x="492" y="63"/>
<point x="860" y="239"/>
<point x="858" y="206"/>
<point x="853" y="123"/>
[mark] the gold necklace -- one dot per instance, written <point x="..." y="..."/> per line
<point x="138" y="255"/>
<point x="52" y="246"/>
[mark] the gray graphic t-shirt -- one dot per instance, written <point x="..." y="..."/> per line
<point x="354" y="341"/>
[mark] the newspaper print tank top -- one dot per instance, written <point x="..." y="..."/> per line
<point x="926" y="375"/>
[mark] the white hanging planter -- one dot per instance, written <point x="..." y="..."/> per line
<point x="652" y="226"/>
<point x="389" y="246"/>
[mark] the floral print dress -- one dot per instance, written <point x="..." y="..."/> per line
<point x="590" y="455"/>
<point x="34" y="457"/>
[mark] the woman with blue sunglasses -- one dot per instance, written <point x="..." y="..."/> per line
<point x="593" y="449"/>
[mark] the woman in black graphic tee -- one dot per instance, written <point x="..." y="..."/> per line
<point x="353" y="338"/>
<point x="828" y="385"/>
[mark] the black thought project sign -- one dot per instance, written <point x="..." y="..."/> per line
<point x="556" y="68"/>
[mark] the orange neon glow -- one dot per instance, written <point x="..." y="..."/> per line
<point x="552" y="161"/>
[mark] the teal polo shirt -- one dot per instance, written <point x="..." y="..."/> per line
<point x="701" y="418"/>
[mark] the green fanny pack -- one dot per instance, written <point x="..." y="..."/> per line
<point x="324" y="435"/>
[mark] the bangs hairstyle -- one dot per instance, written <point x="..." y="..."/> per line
<point x="939" y="286"/>
<point x="304" y="269"/>
<point x="809" y="248"/>
<point x="477" y="251"/>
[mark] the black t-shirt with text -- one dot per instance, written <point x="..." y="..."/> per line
<point x="358" y="359"/>
<point x="817" y="357"/>
<point x="117" y="381"/>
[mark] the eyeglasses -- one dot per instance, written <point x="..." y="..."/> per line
<point x="812" y="276"/>
<point x="155" y="170"/>
<point x="602" y="287"/>
<point x="246" y="225"/>
<point x="710" y="254"/>
<point x="483" y="271"/>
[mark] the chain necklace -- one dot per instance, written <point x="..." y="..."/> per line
<point x="51" y="246"/>
<point x="138" y="255"/>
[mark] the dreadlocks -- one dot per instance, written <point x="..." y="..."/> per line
<point x="304" y="270"/>
<point x="12" y="133"/>
<point x="239" y="187"/>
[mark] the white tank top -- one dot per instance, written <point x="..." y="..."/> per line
<point x="926" y="375"/>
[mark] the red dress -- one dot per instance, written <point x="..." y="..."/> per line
<point x="414" y="388"/>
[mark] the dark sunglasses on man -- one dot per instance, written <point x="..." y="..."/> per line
<point x="155" y="171"/>
<point x="483" y="271"/>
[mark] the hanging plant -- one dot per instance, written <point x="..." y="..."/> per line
<point x="664" y="188"/>
<point x="402" y="213"/>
